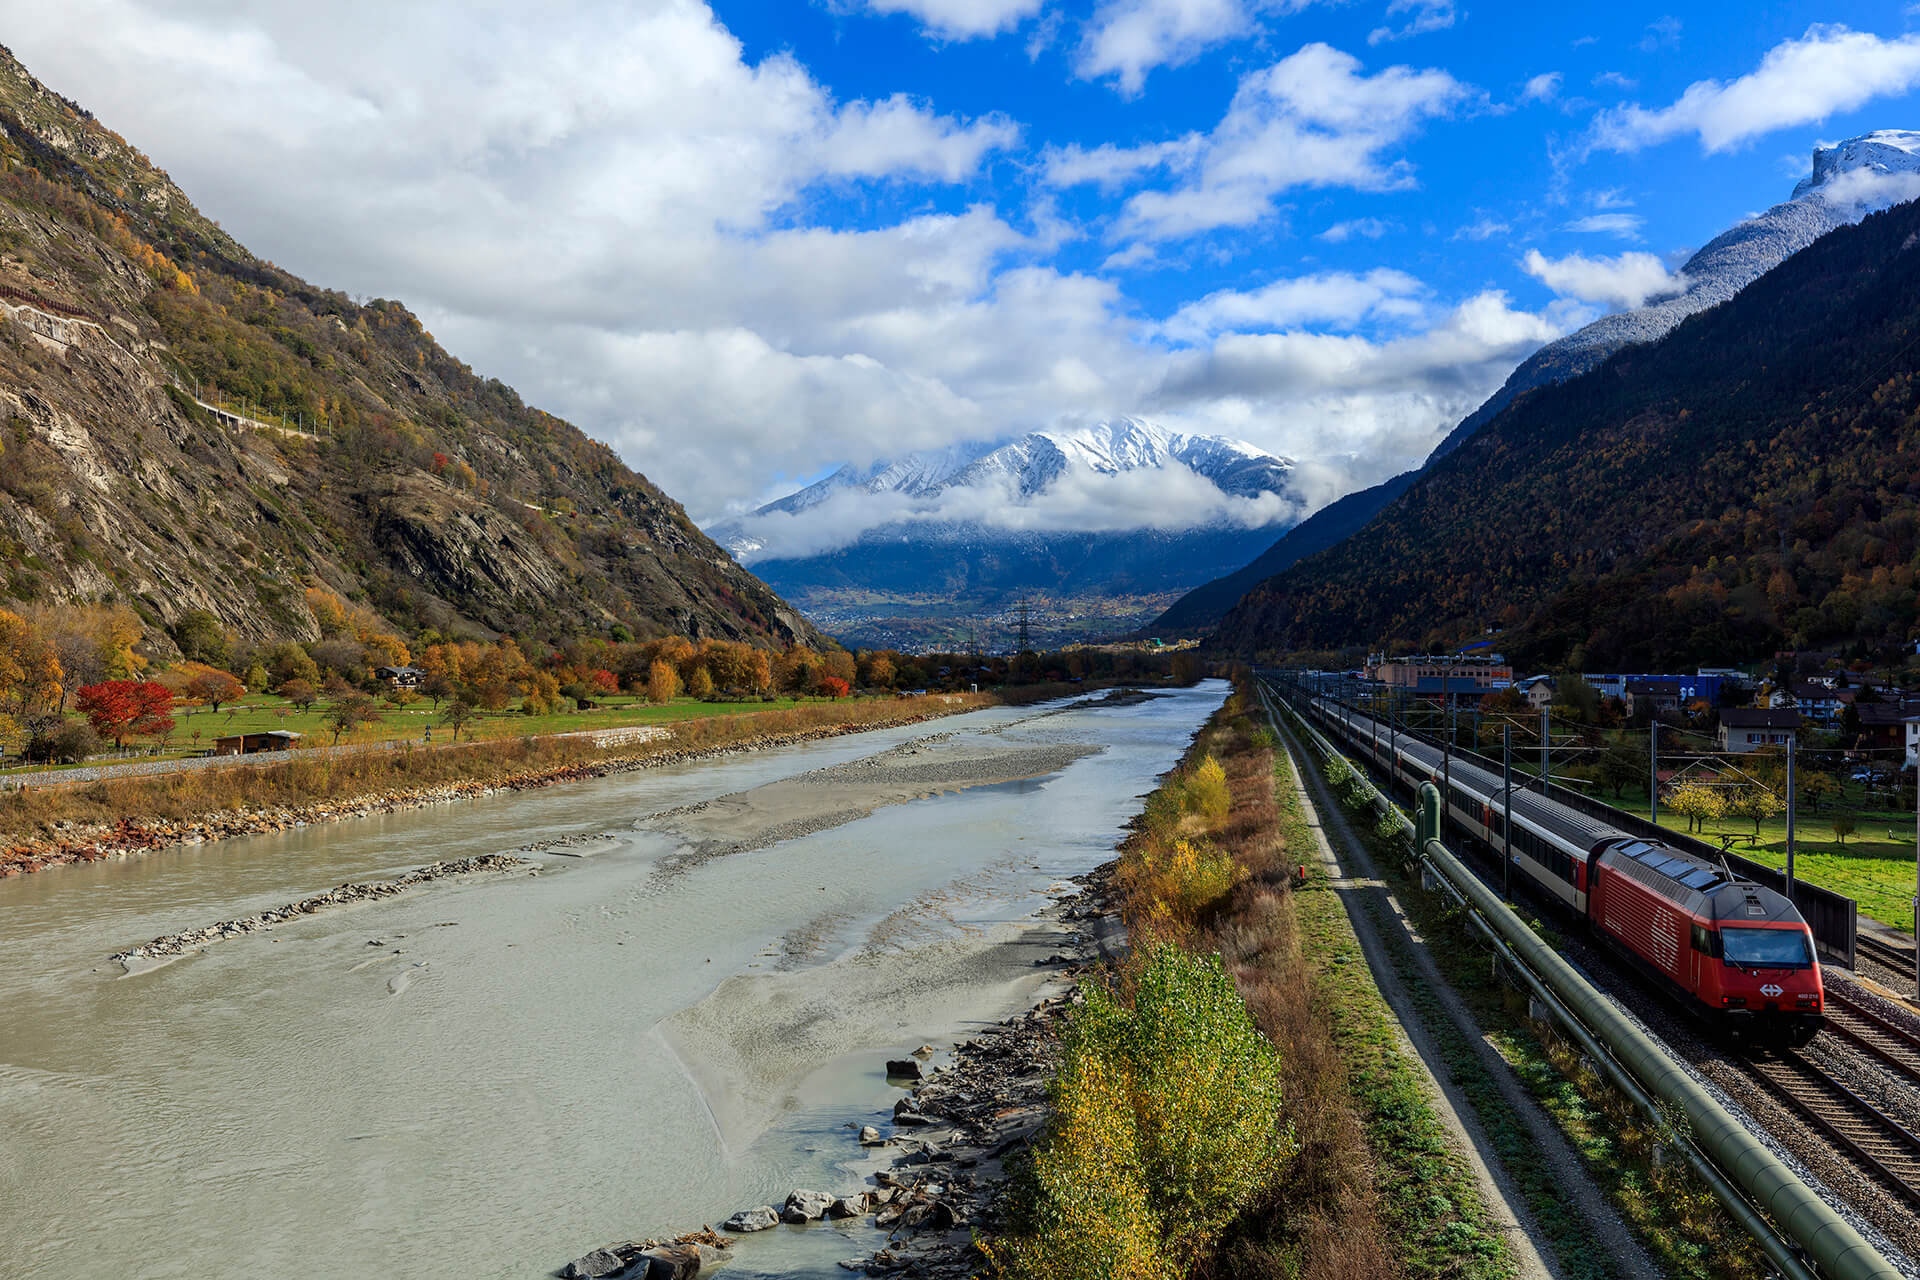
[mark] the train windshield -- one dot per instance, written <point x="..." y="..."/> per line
<point x="1756" y="948"/>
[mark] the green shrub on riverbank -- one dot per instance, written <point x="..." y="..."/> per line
<point x="1166" y="1124"/>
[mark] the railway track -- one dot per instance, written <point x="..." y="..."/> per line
<point x="1880" y="1037"/>
<point x="1898" y="958"/>
<point x="1881" y="1144"/>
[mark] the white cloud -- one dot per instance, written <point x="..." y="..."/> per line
<point x="1108" y="166"/>
<point x="1614" y="198"/>
<point x="1335" y="297"/>
<point x="1428" y="15"/>
<point x="1625" y="225"/>
<point x="1482" y="334"/>
<point x="1079" y="500"/>
<point x="962" y="19"/>
<point x="1313" y="119"/>
<point x="1614" y="80"/>
<point x="1830" y="69"/>
<point x="1544" y="87"/>
<point x="1482" y="229"/>
<point x="1661" y="33"/>
<point x="1126" y="39"/>
<point x="710" y="260"/>
<point x="1865" y="190"/>
<point x="1370" y="228"/>
<point x="1621" y="282"/>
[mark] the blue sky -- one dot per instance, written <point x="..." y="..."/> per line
<point x="746" y="242"/>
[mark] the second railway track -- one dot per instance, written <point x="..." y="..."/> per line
<point x="1877" y="1141"/>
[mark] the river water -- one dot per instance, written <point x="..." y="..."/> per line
<point x="489" y="1077"/>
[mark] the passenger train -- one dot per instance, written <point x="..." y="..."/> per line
<point x="1732" y="950"/>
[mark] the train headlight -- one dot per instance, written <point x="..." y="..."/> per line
<point x="1809" y="999"/>
<point x="1734" y="1002"/>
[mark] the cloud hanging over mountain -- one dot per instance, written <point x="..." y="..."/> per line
<point x="744" y="246"/>
<point x="1170" y="497"/>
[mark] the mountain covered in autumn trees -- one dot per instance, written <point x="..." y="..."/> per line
<point x="1748" y="483"/>
<point x="432" y="494"/>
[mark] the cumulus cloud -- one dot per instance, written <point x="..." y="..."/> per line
<point x="711" y="260"/>
<point x="1313" y="119"/>
<point x="962" y="19"/>
<point x="1625" y="281"/>
<point x="1126" y="39"/>
<point x="1427" y="15"/>
<point x="1829" y="69"/>
<point x="1335" y="297"/>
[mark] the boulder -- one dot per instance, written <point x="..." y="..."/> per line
<point x="806" y="1206"/>
<point x="673" y="1262"/>
<point x="903" y="1069"/>
<point x="601" y="1262"/>
<point x="910" y="1119"/>
<point x="848" y="1206"/>
<point x="870" y="1137"/>
<point x="746" y="1220"/>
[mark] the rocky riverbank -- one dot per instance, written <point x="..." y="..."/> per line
<point x="129" y="836"/>
<point x="952" y="1133"/>
<point x="175" y="944"/>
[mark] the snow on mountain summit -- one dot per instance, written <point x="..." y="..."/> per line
<point x="1848" y="181"/>
<point x="1882" y="154"/>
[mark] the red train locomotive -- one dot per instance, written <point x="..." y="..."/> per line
<point x="1734" y="951"/>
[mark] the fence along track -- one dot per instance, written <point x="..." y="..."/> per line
<point x="1875" y="1140"/>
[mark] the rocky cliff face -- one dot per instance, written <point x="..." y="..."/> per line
<point x="344" y="448"/>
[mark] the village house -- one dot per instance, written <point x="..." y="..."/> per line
<point x="1744" y="729"/>
<point x="401" y="677"/>
<point x="1538" y="690"/>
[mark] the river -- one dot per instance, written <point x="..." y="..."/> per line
<point x="491" y="1076"/>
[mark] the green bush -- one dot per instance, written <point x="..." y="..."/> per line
<point x="1166" y="1125"/>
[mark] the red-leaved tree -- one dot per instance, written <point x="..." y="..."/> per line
<point x="120" y="709"/>
<point x="834" y="687"/>
<point x="605" y="681"/>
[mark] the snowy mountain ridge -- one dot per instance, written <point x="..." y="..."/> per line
<point x="1848" y="181"/>
<point x="1026" y="468"/>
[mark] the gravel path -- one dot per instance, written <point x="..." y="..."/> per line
<point x="1376" y="915"/>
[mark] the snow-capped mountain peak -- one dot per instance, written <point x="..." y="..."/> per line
<point x="1880" y="155"/>
<point x="1028" y="470"/>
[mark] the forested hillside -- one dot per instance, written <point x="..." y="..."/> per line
<point x="1748" y="483"/>
<point x="429" y="493"/>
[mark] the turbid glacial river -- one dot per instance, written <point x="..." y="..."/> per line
<point x="490" y="1077"/>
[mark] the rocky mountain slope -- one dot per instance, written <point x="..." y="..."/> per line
<point x="1847" y="181"/>
<point x="1748" y="483"/>
<point x="1117" y="509"/>
<point x="344" y="448"/>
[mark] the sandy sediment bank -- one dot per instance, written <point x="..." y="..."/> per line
<point x="823" y="798"/>
<point x="134" y="834"/>
<point x="942" y="1158"/>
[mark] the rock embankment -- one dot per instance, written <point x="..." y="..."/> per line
<point x="175" y="944"/>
